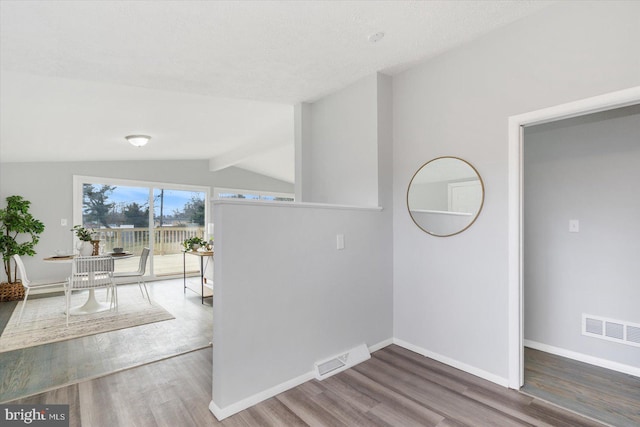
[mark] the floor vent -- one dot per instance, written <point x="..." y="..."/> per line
<point x="333" y="365"/>
<point x="610" y="329"/>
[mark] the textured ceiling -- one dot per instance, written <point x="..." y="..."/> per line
<point x="277" y="52"/>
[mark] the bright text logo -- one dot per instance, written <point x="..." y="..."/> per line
<point x="35" y="415"/>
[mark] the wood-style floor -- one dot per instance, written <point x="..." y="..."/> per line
<point x="28" y="371"/>
<point x="606" y="395"/>
<point x="396" y="387"/>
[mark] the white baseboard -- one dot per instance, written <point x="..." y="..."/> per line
<point x="50" y="290"/>
<point x="380" y="345"/>
<point x="581" y="357"/>
<point x="455" y="363"/>
<point x="227" y="411"/>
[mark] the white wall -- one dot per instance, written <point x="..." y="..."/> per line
<point x="584" y="168"/>
<point x="450" y="294"/>
<point x="49" y="187"/>
<point x="340" y="154"/>
<point x="285" y="297"/>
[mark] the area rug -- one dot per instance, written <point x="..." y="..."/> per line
<point x="44" y="321"/>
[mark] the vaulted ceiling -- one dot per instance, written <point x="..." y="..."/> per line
<point x="206" y="79"/>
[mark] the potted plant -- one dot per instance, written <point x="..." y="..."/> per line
<point x="85" y="245"/>
<point x="15" y="223"/>
<point x="193" y="243"/>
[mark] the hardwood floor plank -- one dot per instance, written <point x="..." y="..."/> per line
<point x="438" y="398"/>
<point x="343" y="391"/>
<point x="451" y="423"/>
<point x="381" y="392"/>
<point x="580" y="373"/>
<point x="301" y="405"/>
<point x="409" y="364"/>
<point x="273" y="413"/>
<point x="519" y="409"/>
<point x="392" y="389"/>
<point x="172" y="413"/>
<point x="558" y="417"/>
<point x="599" y="393"/>
<point x="386" y="415"/>
<point x="343" y="410"/>
<point x="441" y="368"/>
<point x="310" y="388"/>
<point x="242" y="419"/>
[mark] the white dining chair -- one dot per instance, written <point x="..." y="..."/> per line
<point x="92" y="272"/>
<point x="29" y="284"/>
<point x="139" y="274"/>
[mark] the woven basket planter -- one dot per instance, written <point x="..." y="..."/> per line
<point x="11" y="291"/>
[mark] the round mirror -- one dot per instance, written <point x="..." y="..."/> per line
<point x="445" y="196"/>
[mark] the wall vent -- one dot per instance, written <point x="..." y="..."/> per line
<point x="614" y="330"/>
<point x="594" y="326"/>
<point x="633" y="334"/>
<point x="331" y="366"/>
<point x="618" y="331"/>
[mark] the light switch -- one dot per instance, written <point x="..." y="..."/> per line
<point x="574" y="226"/>
<point x="63" y="222"/>
<point x="340" y="241"/>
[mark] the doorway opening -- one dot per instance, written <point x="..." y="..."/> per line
<point x="580" y="255"/>
<point x="516" y="130"/>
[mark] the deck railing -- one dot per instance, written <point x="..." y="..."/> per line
<point x="167" y="240"/>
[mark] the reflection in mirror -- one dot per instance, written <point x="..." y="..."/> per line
<point x="445" y="196"/>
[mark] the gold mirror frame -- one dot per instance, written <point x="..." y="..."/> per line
<point x="475" y="215"/>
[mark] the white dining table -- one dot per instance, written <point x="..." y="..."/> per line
<point x="92" y="305"/>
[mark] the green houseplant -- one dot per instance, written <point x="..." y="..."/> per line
<point x="85" y="245"/>
<point x="83" y="234"/>
<point x="193" y="243"/>
<point x="15" y="223"/>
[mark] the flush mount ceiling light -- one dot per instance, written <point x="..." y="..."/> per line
<point x="138" y="140"/>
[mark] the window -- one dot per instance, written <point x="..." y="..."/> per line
<point x="135" y="214"/>
<point x="232" y="193"/>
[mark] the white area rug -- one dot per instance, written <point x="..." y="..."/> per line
<point x="44" y="321"/>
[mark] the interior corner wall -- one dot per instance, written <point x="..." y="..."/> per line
<point x="341" y="160"/>
<point x="303" y="152"/>
<point x="451" y="294"/>
<point x="385" y="175"/>
<point x="585" y="169"/>
<point x="384" y="131"/>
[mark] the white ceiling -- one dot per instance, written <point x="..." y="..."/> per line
<point x="206" y="79"/>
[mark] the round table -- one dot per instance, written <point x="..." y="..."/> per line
<point x="92" y="305"/>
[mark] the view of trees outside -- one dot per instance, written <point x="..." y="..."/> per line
<point x="110" y="206"/>
<point x="176" y="207"/>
